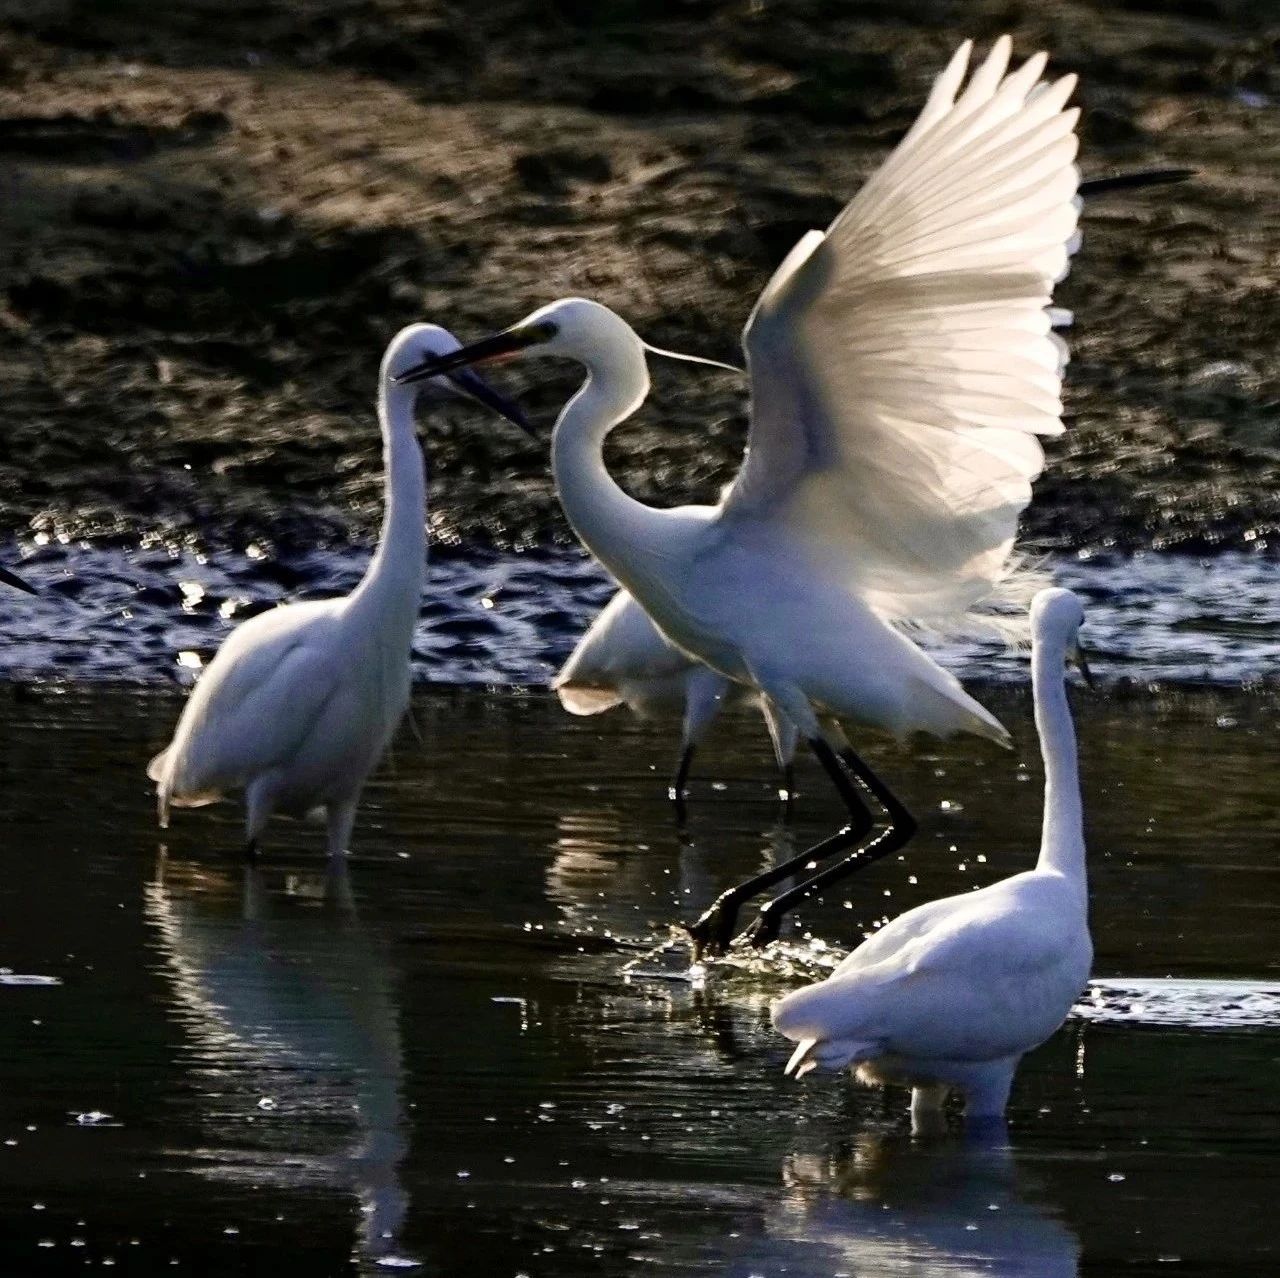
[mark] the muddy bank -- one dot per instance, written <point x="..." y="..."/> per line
<point x="214" y="215"/>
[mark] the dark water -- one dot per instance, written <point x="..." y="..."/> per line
<point x="437" y="1059"/>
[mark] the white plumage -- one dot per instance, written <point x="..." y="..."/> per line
<point x="952" y="993"/>
<point x="902" y="368"/>
<point x="300" y="702"/>
<point x="624" y="659"/>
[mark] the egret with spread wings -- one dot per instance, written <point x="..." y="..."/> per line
<point x="903" y="368"/>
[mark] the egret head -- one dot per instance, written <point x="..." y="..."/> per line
<point x="12" y="579"/>
<point x="1056" y="618"/>
<point x="573" y="327"/>
<point x="419" y="343"/>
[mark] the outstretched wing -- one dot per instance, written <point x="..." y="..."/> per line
<point x="903" y="364"/>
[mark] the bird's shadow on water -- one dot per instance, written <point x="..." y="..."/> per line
<point x="893" y="1204"/>
<point x="286" y="998"/>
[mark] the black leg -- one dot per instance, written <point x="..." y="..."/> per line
<point x="679" y="783"/>
<point x="714" y="930"/>
<point x="788" y="789"/>
<point x="902" y="828"/>
<point x="251" y="851"/>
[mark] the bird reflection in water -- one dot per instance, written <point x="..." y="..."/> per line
<point x="290" y="1014"/>
<point x="897" y="1206"/>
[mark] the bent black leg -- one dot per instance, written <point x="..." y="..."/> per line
<point x="902" y="828"/>
<point x="714" y="930"/>
<point x="251" y="851"/>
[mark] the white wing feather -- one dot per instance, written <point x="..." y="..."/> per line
<point x="903" y="364"/>
<point x="251" y="709"/>
<point x="622" y="657"/>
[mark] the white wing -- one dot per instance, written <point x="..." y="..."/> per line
<point x="623" y="656"/>
<point x="903" y="364"/>
<point x="254" y="705"/>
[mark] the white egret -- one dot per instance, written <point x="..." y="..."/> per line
<point x="625" y="659"/>
<point x="300" y="702"/>
<point x="902" y="367"/>
<point x="951" y="994"/>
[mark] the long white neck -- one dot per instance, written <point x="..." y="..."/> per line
<point x="392" y="584"/>
<point x="622" y="533"/>
<point x="1062" y="840"/>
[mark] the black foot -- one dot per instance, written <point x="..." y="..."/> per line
<point x="712" y="933"/>
<point x="764" y="931"/>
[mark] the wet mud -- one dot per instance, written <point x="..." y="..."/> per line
<point x="214" y="215"/>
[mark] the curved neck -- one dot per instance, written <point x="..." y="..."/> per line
<point x="1062" y="840"/>
<point x="394" y="576"/>
<point x="619" y="531"/>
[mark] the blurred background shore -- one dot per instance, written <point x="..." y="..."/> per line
<point x="214" y="214"/>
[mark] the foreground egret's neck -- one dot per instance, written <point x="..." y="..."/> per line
<point x="621" y="532"/>
<point x="1062" y="840"/>
<point x="393" y="581"/>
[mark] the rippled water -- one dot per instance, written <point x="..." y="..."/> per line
<point x="492" y="618"/>
<point x="438" y="1059"/>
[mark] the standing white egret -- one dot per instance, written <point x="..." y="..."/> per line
<point x="625" y="659"/>
<point x="300" y="702"/>
<point x="952" y="993"/>
<point x="902" y="366"/>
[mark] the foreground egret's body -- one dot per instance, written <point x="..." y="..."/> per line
<point x="625" y="659"/>
<point x="300" y="702"/>
<point x="952" y="993"/>
<point x="902" y="367"/>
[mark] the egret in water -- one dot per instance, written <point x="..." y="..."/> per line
<point x="951" y="994"/>
<point x="625" y="659"/>
<point x="902" y="368"/>
<point x="300" y="702"/>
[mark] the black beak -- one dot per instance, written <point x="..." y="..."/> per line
<point x="472" y="384"/>
<point x="12" y="579"/>
<point x="508" y="342"/>
<point x="1127" y="181"/>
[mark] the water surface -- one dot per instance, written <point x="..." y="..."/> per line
<point x="437" y="1058"/>
<point x="158" y="613"/>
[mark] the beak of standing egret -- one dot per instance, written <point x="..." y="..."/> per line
<point x="475" y="387"/>
<point x="1082" y="664"/>
<point x="12" y="579"/>
<point x="511" y="341"/>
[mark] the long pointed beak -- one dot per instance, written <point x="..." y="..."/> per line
<point x="12" y="579"/>
<point x="473" y="385"/>
<point x="508" y="342"/>
<point x="1127" y="181"/>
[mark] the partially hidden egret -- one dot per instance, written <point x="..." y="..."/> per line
<point x="300" y="702"/>
<point x="902" y="367"/>
<point x="624" y="659"/>
<point x="951" y="994"/>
